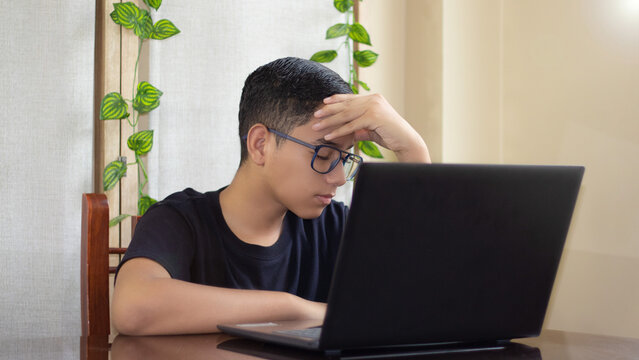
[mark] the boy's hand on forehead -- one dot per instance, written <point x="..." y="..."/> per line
<point x="371" y="117"/>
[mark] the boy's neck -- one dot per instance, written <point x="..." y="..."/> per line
<point x="250" y="210"/>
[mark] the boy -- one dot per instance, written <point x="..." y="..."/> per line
<point x="262" y="248"/>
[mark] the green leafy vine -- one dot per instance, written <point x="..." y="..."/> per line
<point x="146" y="98"/>
<point x="352" y="32"/>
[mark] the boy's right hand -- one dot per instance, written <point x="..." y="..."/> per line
<point x="310" y="310"/>
<point x="371" y="117"/>
<point x="147" y="301"/>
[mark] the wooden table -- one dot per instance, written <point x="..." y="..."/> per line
<point x="555" y="345"/>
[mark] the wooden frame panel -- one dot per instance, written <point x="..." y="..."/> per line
<point x="129" y="43"/>
<point x="115" y="54"/>
<point x="107" y="75"/>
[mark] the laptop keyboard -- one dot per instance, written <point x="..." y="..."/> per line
<point x="309" y="333"/>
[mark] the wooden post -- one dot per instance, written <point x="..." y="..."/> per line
<point x="128" y="184"/>
<point x="94" y="266"/>
<point x="355" y="43"/>
<point x="107" y="79"/>
<point x="115" y="56"/>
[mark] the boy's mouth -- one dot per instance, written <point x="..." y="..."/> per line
<point x="324" y="198"/>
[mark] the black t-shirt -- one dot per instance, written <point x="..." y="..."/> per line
<point x="187" y="235"/>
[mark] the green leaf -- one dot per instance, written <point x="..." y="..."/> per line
<point x="113" y="106"/>
<point x="370" y="149"/>
<point x="118" y="219"/>
<point x="359" y="34"/>
<point x="114" y="17"/>
<point x="144" y="28"/>
<point x="147" y="97"/>
<point x="364" y="85"/>
<point x="145" y="203"/>
<point x="125" y="14"/>
<point x="153" y="3"/>
<point x="130" y="16"/>
<point x="354" y="88"/>
<point x="342" y="5"/>
<point x="324" y="56"/>
<point x="112" y="174"/>
<point x="164" y="29"/>
<point x="141" y="142"/>
<point x="337" y="30"/>
<point x="365" y="58"/>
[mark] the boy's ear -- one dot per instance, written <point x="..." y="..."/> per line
<point x="257" y="144"/>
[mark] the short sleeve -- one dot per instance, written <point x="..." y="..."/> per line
<point x="164" y="236"/>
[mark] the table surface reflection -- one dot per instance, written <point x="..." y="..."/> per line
<point x="555" y="345"/>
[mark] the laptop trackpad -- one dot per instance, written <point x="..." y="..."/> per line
<point x="312" y="333"/>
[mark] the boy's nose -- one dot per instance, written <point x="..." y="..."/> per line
<point x="336" y="176"/>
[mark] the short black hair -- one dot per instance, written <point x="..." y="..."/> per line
<point x="283" y="94"/>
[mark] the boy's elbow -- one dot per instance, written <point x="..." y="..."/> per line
<point x="129" y="318"/>
<point x="126" y="322"/>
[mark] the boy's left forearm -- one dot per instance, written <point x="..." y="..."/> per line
<point x="416" y="152"/>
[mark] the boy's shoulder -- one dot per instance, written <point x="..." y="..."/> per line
<point x="185" y="195"/>
<point x="187" y="200"/>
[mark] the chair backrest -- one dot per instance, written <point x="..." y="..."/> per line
<point x="95" y="267"/>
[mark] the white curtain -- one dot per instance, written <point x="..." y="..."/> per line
<point x="46" y="141"/>
<point x="202" y="70"/>
<point x="46" y="147"/>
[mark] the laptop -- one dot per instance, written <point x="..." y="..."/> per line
<point x="275" y="352"/>
<point x="441" y="254"/>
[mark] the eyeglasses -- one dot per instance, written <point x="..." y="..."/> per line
<point x="326" y="157"/>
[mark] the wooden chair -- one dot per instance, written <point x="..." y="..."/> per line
<point x="95" y="267"/>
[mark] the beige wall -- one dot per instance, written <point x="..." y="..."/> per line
<point x="571" y="95"/>
<point x="472" y="75"/>
<point x="407" y="35"/>
<point x="537" y="82"/>
<point x="423" y="67"/>
<point x="387" y="76"/>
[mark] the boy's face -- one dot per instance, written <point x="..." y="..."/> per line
<point x="294" y="183"/>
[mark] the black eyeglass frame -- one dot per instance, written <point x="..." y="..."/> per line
<point x="344" y="155"/>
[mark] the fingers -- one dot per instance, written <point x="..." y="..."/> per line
<point x="337" y="103"/>
<point x="328" y="110"/>
<point x="345" y="123"/>
<point x="336" y="114"/>
<point x="340" y="108"/>
<point x="346" y="129"/>
<point x="347" y="113"/>
<point x="337" y="98"/>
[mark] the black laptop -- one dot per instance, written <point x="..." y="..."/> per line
<point x="434" y="255"/>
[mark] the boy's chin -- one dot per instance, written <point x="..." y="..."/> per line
<point x="309" y="213"/>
